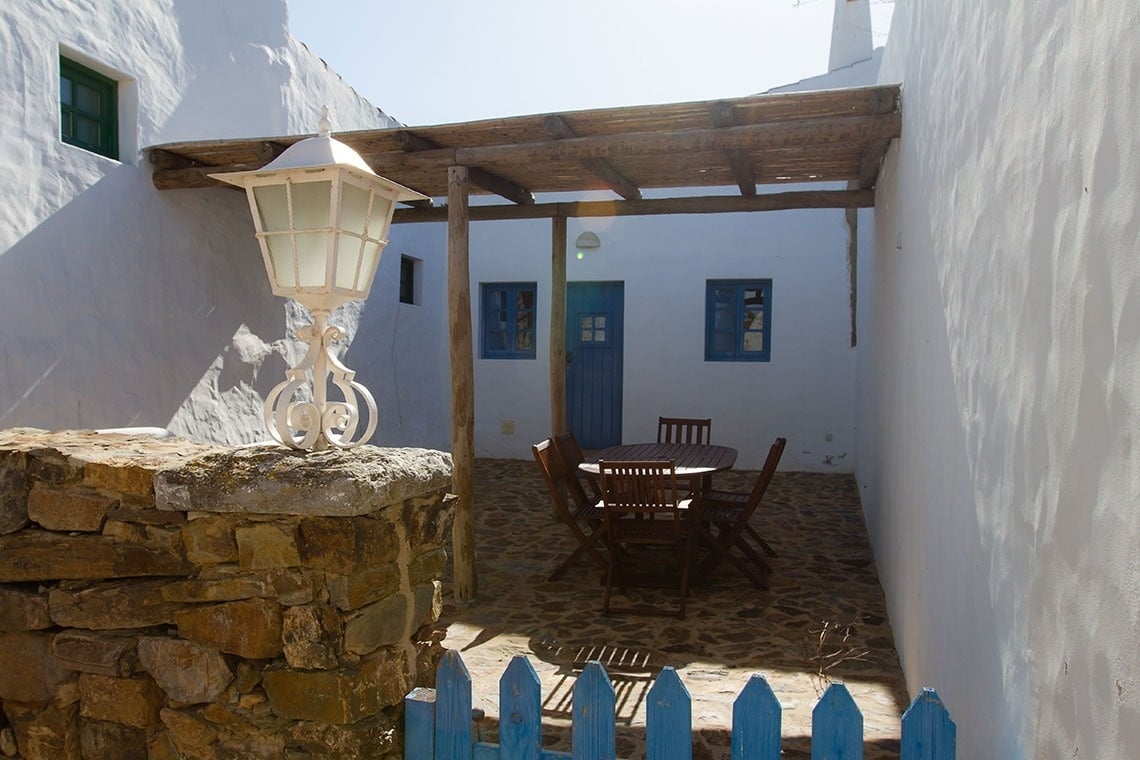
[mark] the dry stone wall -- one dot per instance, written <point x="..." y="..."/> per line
<point x="165" y="599"/>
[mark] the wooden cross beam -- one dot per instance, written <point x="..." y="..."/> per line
<point x="557" y="128"/>
<point x="410" y="142"/>
<point x="724" y="115"/>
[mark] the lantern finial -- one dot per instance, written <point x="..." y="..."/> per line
<point x="324" y="127"/>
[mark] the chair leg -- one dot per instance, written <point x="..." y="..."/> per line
<point x="686" y="567"/>
<point x="757" y="560"/>
<point x="767" y="547"/>
<point x="609" y="588"/>
<point x="586" y="545"/>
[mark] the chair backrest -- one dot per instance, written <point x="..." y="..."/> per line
<point x="639" y="487"/>
<point x="572" y="456"/>
<point x="558" y="476"/>
<point x="765" y="477"/>
<point x="683" y="430"/>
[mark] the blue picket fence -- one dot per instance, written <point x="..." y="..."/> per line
<point x="438" y="721"/>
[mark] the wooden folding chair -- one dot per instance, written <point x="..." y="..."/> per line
<point x="572" y="456"/>
<point x="683" y="430"/>
<point x="643" y="508"/>
<point x="585" y="518"/>
<point x="729" y="512"/>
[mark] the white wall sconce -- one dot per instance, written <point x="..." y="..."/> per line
<point x="587" y="241"/>
<point x="322" y="217"/>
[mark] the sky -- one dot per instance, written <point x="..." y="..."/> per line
<point x="447" y="61"/>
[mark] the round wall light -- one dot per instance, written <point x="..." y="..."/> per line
<point x="587" y="241"/>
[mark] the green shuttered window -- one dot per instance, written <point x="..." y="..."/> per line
<point x="88" y="109"/>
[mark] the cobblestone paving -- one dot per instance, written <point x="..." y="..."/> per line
<point x="825" y="576"/>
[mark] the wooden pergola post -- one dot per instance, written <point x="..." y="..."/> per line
<point x="558" y="325"/>
<point x="462" y="384"/>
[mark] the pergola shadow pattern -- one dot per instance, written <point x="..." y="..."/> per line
<point x="824" y="578"/>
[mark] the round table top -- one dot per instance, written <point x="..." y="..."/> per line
<point x="688" y="458"/>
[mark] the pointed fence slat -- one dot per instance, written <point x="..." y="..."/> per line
<point x="439" y="726"/>
<point x="669" y="719"/>
<point x="520" y="710"/>
<point x="453" y="739"/>
<point x="419" y="724"/>
<point x="927" y="731"/>
<point x="756" y="722"/>
<point x="594" y="734"/>
<point x="836" y="726"/>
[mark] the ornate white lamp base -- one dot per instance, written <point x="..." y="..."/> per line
<point x="314" y="425"/>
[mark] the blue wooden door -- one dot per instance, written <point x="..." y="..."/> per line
<point x="594" y="362"/>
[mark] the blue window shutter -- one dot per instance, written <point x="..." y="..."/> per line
<point x="738" y="320"/>
<point x="508" y="320"/>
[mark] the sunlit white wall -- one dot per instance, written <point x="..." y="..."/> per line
<point x="119" y="304"/>
<point x="999" y="404"/>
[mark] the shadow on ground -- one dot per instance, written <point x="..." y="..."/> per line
<point x="823" y="579"/>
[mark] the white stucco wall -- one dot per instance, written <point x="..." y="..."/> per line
<point x="999" y="405"/>
<point x="121" y="305"/>
<point x="805" y="393"/>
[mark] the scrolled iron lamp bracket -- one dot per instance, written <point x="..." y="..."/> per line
<point x="320" y="423"/>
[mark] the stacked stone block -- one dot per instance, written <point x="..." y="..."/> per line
<point x="164" y="599"/>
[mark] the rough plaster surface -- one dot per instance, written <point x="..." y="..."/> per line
<point x="121" y="305"/>
<point x="998" y="397"/>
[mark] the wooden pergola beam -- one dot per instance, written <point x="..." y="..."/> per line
<point x="716" y="204"/>
<point x="557" y="128"/>
<point x="723" y="115"/>
<point x="164" y="159"/>
<point x="267" y="150"/>
<point x="802" y="134"/>
<point x="869" y="164"/>
<point x="410" y="142"/>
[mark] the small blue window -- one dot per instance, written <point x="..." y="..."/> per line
<point x="508" y="320"/>
<point x="738" y="320"/>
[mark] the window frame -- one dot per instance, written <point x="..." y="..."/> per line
<point x="409" y="280"/>
<point x="513" y="289"/>
<point x="737" y="354"/>
<point x="108" y="118"/>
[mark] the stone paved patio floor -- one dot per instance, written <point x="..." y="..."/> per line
<point x="825" y="576"/>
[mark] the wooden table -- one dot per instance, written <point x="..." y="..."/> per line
<point x="693" y="461"/>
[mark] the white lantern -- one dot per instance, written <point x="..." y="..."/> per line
<point x="321" y="216"/>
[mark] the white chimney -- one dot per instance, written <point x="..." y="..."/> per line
<point x="851" y="39"/>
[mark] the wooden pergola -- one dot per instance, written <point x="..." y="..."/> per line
<point x="823" y="136"/>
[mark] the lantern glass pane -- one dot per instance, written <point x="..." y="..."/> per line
<point x="347" y="257"/>
<point x="281" y="256"/>
<point x="381" y="209"/>
<point x="312" y="249"/>
<point x="368" y="264"/>
<point x="353" y="209"/>
<point x="311" y="202"/>
<point x="271" y="207"/>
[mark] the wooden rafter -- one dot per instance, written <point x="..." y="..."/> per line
<point x="780" y="138"/>
<point x="489" y="181"/>
<point x="557" y="128"/>
<point x="723" y="115"/>
<point x="716" y="204"/>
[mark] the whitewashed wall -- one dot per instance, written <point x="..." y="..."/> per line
<point x="805" y="393"/>
<point x="121" y="305"/>
<point x="999" y="400"/>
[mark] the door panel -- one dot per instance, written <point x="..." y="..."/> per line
<point x="594" y="318"/>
